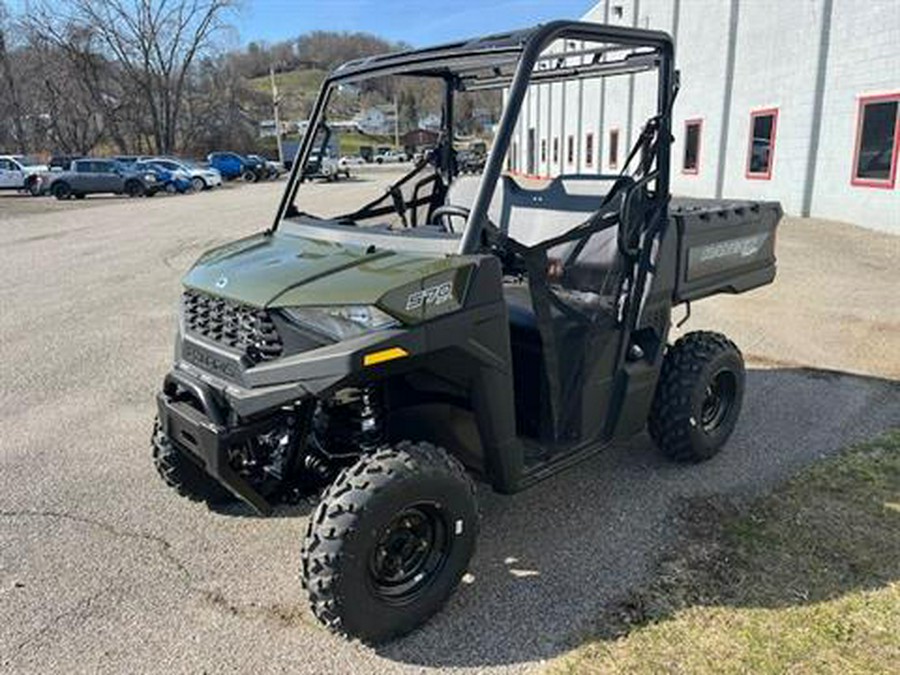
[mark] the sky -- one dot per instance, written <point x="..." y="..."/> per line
<point x="419" y="23"/>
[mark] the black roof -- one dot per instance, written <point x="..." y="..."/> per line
<point x="495" y="56"/>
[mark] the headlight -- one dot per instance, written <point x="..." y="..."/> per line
<point x="341" y="322"/>
<point x="150" y="178"/>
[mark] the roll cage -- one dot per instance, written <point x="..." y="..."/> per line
<point x="513" y="61"/>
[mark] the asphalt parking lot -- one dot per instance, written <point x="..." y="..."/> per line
<point x="103" y="569"/>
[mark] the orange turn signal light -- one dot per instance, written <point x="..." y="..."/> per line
<point x="384" y="355"/>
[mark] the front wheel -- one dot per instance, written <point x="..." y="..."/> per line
<point x="698" y="397"/>
<point x="248" y="176"/>
<point x="133" y="188"/>
<point x="390" y="541"/>
<point x="198" y="184"/>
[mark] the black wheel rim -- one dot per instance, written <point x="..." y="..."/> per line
<point x="409" y="553"/>
<point x="718" y="400"/>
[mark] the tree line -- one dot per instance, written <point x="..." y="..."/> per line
<point x="143" y="76"/>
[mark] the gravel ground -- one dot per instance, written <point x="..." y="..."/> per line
<point x="102" y="569"/>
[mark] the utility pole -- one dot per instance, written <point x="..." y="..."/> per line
<point x="396" y="123"/>
<point x="276" y="102"/>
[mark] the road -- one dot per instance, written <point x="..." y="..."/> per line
<point x="103" y="569"/>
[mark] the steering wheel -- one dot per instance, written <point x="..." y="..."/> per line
<point x="442" y="215"/>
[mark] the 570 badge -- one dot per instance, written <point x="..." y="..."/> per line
<point x="433" y="295"/>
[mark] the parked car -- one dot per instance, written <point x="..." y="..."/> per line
<point x="18" y="172"/>
<point x="232" y="165"/>
<point x="172" y="181"/>
<point x="351" y="160"/>
<point x="391" y="157"/>
<point x="202" y="177"/>
<point x="102" y="176"/>
<point x="272" y="169"/>
<point x="468" y="161"/>
<point x="326" y="167"/>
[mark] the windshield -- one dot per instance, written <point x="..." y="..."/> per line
<point x="397" y="128"/>
<point x="25" y="160"/>
<point x="443" y="125"/>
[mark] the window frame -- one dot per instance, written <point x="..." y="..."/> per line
<point x="543" y="151"/>
<point x="891" y="181"/>
<point x="589" y="149"/>
<point x="613" y="158"/>
<point x="556" y="149"/>
<point x="773" y="139"/>
<point x="570" y="150"/>
<point x="698" y="122"/>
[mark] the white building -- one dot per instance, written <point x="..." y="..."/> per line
<point x="815" y="83"/>
<point x="379" y="119"/>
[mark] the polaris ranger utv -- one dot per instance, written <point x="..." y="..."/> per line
<point x="455" y="328"/>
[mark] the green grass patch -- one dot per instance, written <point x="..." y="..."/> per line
<point x="805" y="580"/>
<point x="307" y="81"/>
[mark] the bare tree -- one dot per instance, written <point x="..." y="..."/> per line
<point x="13" y="103"/>
<point x="154" y="44"/>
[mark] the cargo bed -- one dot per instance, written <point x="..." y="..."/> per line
<point x="724" y="246"/>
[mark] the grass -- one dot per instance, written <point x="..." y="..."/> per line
<point x="805" y="580"/>
<point x="297" y="88"/>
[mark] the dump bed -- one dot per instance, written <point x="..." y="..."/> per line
<point x="724" y="246"/>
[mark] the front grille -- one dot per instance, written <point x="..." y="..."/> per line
<point x="249" y="330"/>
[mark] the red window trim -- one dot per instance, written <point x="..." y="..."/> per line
<point x="614" y="161"/>
<point x="696" y="170"/>
<point x="889" y="183"/>
<point x="753" y="115"/>
<point x="589" y="149"/>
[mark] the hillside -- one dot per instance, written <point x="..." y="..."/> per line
<point x="297" y="88"/>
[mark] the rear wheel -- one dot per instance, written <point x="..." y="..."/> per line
<point x="182" y="474"/>
<point x="390" y="541"/>
<point x="698" y="398"/>
<point x="62" y="191"/>
<point x="34" y="186"/>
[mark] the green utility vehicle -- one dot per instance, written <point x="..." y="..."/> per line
<point x="456" y="328"/>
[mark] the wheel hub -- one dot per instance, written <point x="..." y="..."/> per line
<point x="408" y="553"/>
<point x="717" y="400"/>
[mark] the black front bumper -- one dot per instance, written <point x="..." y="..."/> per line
<point x="191" y="415"/>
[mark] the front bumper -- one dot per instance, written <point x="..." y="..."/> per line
<point x="192" y="416"/>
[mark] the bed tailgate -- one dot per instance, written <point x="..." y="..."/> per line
<point x="723" y="246"/>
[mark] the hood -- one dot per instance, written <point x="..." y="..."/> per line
<point x="279" y="270"/>
<point x="35" y="168"/>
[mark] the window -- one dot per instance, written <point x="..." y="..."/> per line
<point x="761" y="154"/>
<point x="556" y="150"/>
<point x="6" y="165"/>
<point x="691" y="161"/>
<point x="514" y="157"/>
<point x="613" y="148"/>
<point x="589" y="150"/>
<point x="570" y="149"/>
<point x="877" y="138"/>
<point x="543" y="149"/>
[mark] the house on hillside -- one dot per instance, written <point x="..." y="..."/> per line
<point x="379" y="119"/>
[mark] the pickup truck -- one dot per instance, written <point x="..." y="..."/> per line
<point x="102" y="176"/>
<point x="391" y="157"/>
<point x="18" y="172"/>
